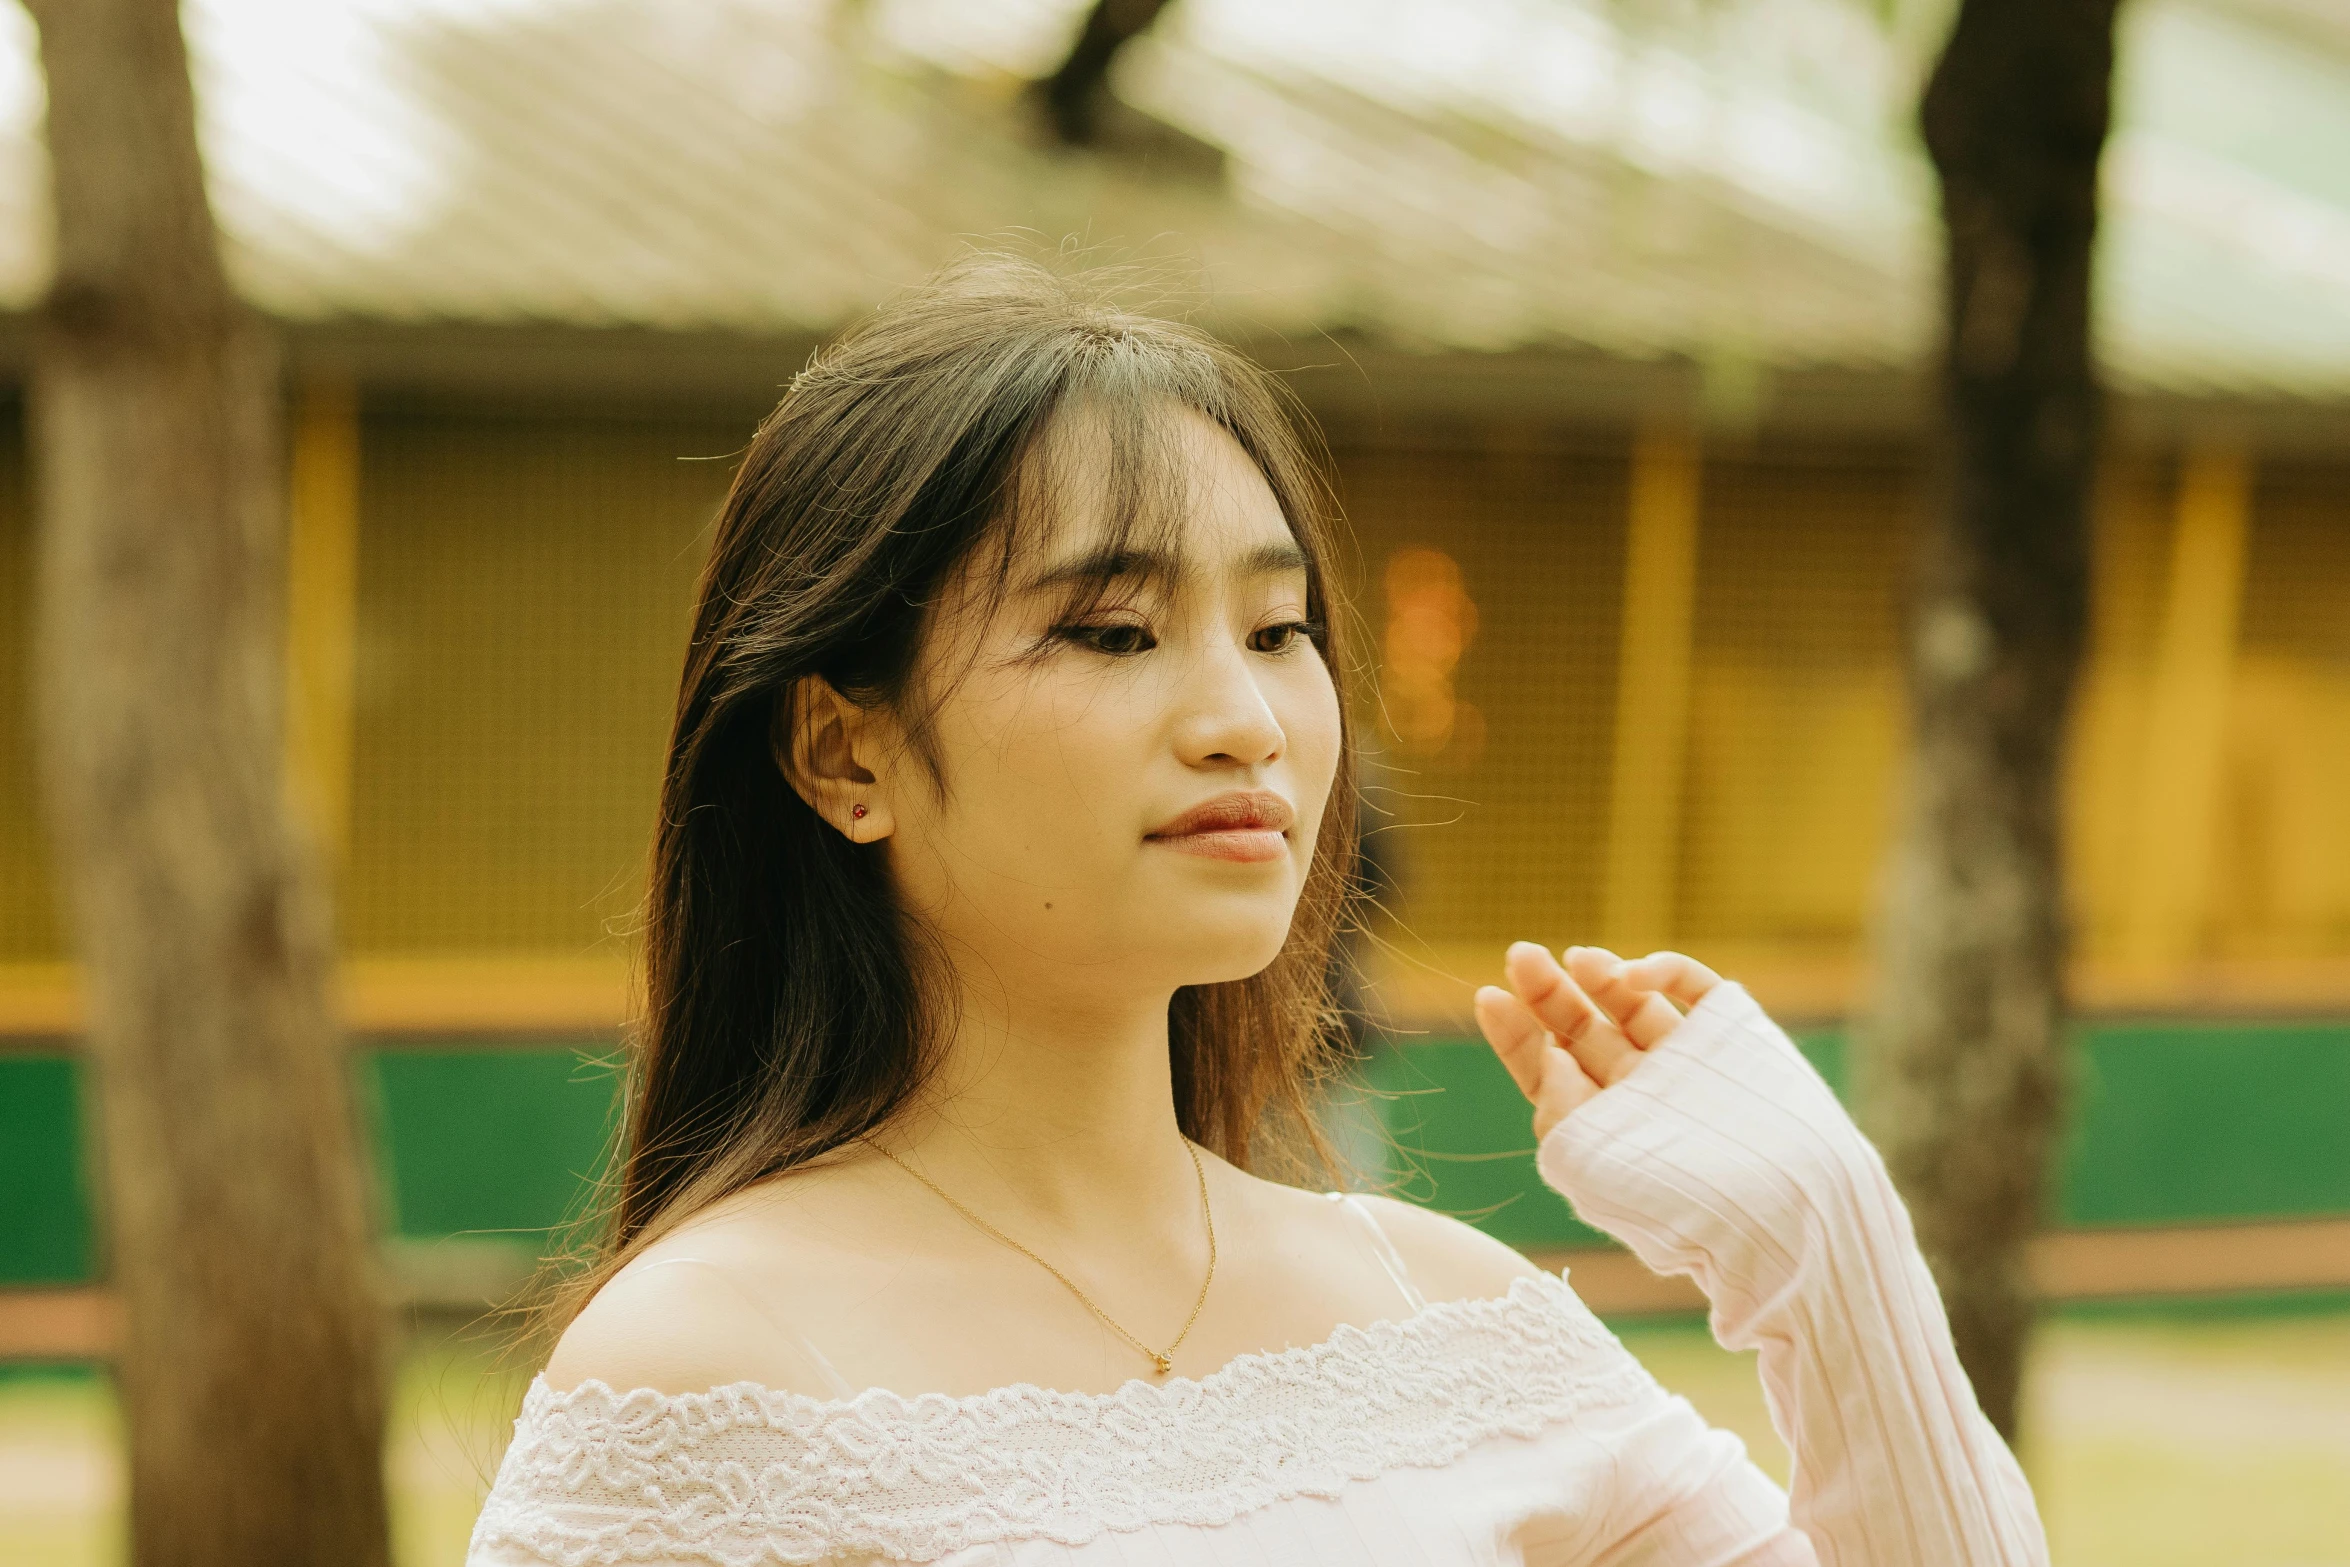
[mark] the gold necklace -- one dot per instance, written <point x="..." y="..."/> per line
<point x="1161" y="1359"/>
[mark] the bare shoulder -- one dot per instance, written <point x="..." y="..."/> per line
<point x="681" y="1318"/>
<point x="1447" y="1259"/>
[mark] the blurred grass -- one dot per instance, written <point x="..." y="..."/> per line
<point x="2177" y="1440"/>
<point x="453" y="1404"/>
<point x="2153" y="1439"/>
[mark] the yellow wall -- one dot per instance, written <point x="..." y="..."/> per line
<point x="1796" y="708"/>
<point x="1793" y="692"/>
<point x="1795" y="700"/>
<point x="523" y="592"/>
<point x="1505" y="832"/>
<point x="523" y="583"/>
<point x="29" y="924"/>
<point x="2283" y="866"/>
<point x="2130" y="559"/>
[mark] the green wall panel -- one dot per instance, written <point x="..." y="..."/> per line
<point x="1459" y="1139"/>
<point x="2173" y="1123"/>
<point x="2177" y="1122"/>
<point x="44" y="1210"/>
<point x="491" y="1140"/>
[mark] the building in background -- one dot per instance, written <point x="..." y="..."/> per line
<point x="1617" y="339"/>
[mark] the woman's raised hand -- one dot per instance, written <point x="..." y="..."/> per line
<point x="1570" y="1032"/>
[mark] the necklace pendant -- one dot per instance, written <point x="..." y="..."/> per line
<point x="1164" y="1364"/>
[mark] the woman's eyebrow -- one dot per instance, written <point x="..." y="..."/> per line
<point x="1119" y="565"/>
<point x="1103" y="565"/>
<point x="1271" y="559"/>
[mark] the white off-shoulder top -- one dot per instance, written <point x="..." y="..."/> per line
<point x="1468" y="1432"/>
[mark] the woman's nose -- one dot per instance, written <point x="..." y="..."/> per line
<point x="1228" y="720"/>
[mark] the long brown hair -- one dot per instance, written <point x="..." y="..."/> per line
<point x="787" y="1005"/>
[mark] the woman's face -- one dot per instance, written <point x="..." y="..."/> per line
<point x="1131" y="784"/>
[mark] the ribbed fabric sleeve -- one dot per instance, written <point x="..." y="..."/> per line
<point x="1725" y="1157"/>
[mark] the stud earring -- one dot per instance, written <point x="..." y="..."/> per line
<point x="858" y="811"/>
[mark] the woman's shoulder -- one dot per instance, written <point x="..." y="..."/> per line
<point x="679" y="1325"/>
<point x="716" y="1303"/>
<point x="694" y="1312"/>
<point x="1445" y="1258"/>
<point x="654" y="1328"/>
<point x="1270" y="1425"/>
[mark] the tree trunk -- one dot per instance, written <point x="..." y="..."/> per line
<point x="251" y="1367"/>
<point x="1964" y="1078"/>
<point x="1073" y="94"/>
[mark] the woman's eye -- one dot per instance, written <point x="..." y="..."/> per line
<point x="1282" y="637"/>
<point x="1118" y="638"/>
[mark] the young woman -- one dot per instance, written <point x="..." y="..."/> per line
<point x="1006" y="828"/>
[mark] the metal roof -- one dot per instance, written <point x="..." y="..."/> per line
<point x="1737" y="187"/>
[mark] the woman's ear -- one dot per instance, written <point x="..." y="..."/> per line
<point x="828" y="748"/>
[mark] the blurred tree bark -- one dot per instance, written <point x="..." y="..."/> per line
<point x="1074" y="95"/>
<point x="1964" y="1079"/>
<point x="251" y="1365"/>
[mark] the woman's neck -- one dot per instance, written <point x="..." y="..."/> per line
<point x="1062" y="1108"/>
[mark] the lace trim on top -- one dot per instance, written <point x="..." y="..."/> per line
<point x="745" y="1476"/>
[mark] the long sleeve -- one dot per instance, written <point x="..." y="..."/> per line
<point x="1724" y="1156"/>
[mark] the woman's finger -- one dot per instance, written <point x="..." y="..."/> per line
<point x="1589" y="1034"/>
<point x="1565" y="1085"/>
<point x="1644" y="1016"/>
<point x="1683" y="978"/>
<point x="1552" y="1081"/>
<point x="1516" y="1035"/>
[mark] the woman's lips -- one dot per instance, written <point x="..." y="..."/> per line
<point x="1246" y="826"/>
<point x="1234" y="845"/>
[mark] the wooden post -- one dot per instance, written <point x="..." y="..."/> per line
<point x="322" y="609"/>
<point x="1652" y="690"/>
<point x="2186" y="711"/>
